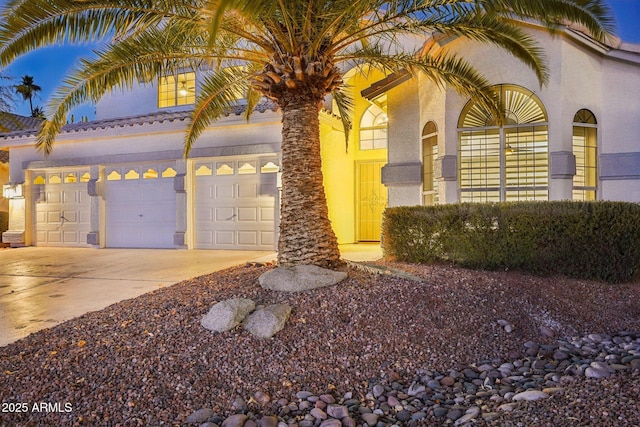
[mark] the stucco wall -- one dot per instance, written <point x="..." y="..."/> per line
<point x="581" y="75"/>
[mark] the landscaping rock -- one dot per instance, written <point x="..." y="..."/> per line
<point x="300" y="278"/>
<point x="266" y="322"/>
<point x="227" y="314"/>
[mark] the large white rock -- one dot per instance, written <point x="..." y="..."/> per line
<point x="300" y="278"/>
<point x="227" y="314"/>
<point x="266" y="322"/>
<point x="530" y="395"/>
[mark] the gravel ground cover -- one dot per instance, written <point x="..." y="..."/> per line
<point x="149" y="362"/>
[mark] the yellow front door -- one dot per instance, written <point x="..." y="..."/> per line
<point x="371" y="200"/>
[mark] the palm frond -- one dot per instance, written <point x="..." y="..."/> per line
<point x="218" y="92"/>
<point x="345" y="104"/>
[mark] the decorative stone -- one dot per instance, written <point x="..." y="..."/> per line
<point x="303" y="394"/>
<point x="262" y="398"/>
<point x="337" y="411"/>
<point x="200" y="416"/>
<point x="348" y="422"/>
<point x="268" y="421"/>
<point x="239" y="404"/>
<point x="236" y="420"/>
<point x="370" y="419"/>
<point x="331" y="422"/>
<point x="469" y="415"/>
<point x="228" y="314"/>
<point x="318" y="414"/>
<point x="300" y="278"/>
<point x="378" y="391"/>
<point x="530" y="395"/>
<point x="599" y="370"/>
<point x="266" y="322"/>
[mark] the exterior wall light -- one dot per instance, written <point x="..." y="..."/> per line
<point x="12" y="191"/>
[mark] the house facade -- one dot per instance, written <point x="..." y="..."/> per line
<point x="575" y="138"/>
<point x="122" y="181"/>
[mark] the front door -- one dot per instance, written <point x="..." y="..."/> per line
<point x="371" y="200"/>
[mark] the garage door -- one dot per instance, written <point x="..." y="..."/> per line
<point x="140" y="206"/>
<point x="235" y="203"/>
<point x="62" y="207"/>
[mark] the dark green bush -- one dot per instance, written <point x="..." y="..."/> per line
<point x="594" y="240"/>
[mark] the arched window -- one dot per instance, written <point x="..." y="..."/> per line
<point x="585" y="148"/>
<point x="429" y="155"/>
<point x="504" y="159"/>
<point x="373" y="129"/>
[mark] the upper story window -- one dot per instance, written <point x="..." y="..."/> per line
<point x="585" y="148"/>
<point x="504" y="159"/>
<point x="176" y="90"/>
<point x="373" y="129"/>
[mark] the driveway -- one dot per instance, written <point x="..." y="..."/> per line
<point x="42" y="287"/>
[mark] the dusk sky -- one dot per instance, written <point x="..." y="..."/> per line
<point x="48" y="66"/>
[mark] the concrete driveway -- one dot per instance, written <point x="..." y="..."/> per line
<point x="42" y="287"/>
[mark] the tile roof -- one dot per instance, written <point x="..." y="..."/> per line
<point x="139" y="120"/>
<point x="10" y="122"/>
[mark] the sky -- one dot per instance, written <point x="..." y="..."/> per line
<point x="48" y="66"/>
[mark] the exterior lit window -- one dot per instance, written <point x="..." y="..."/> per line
<point x="177" y="90"/>
<point x="585" y="148"/>
<point x="504" y="159"/>
<point x="429" y="156"/>
<point x="373" y="129"/>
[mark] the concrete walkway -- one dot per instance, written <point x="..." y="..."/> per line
<point x="42" y="287"/>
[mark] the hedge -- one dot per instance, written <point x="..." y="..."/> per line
<point x="593" y="240"/>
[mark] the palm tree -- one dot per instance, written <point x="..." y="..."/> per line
<point x="28" y="89"/>
<point x="38" y="113"/>
<point x="7" y="96"/>
<point x="293" y="52"/>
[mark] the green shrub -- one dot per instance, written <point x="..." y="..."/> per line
<point x="595" y="240"/>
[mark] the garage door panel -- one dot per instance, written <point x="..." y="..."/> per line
<point x="140" y="212"/>
<point x="248" y="190"/>
<point x="204" y="214"/>
<point x="247" y="214"/>
<point x="225" y="237"/>
<point x="62" y="210"/>
<point x="163" y="212"/>
<point x="71" y="217"/>
<point x="54" y="197"/>
<point x="70" y="236"/>
<point x="70" y="197"/>
<point x="235" y="210"/>
<point x="223" y="191"/>
<point x="52" y="217"/>
<point x="267" y="238"/>
<point x="224" y="214"/>
<point x="54" y="237"/>
<point x="267" y="215"/>
<point x="248" y="238"/>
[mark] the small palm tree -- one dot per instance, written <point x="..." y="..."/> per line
<point x="37" y="113"/>
<point x="28" y="89"/>
<point x="7" y="95"/>
<point x="291" y="51"/>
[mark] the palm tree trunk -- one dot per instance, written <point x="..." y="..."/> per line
<point x="306" y="236"/>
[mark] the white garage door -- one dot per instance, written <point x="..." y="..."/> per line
<point x="62" y="207"/>
<point x="235" y="203"/>
<point x="140" y="206"/>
